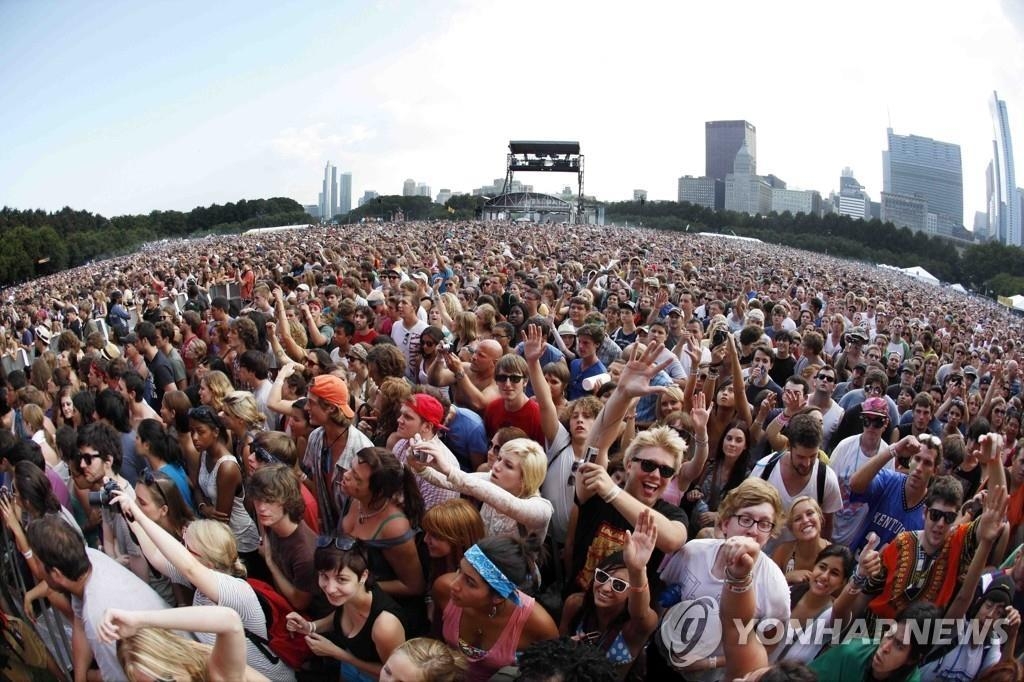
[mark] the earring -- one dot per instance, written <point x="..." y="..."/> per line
<point x="494" y="611"/>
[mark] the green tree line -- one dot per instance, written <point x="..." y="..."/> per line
<point x="983" y="267"/>
<point x="34" y="243"/>
<point x="458" y="207"/>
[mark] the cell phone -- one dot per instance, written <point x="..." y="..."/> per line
<point x="591" y="455"/>
<point x="719" y="337"/>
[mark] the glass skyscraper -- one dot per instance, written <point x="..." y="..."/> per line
<point x="927" y="169"/>
<point x="1003" y="202"/>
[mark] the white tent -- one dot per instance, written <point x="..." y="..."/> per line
<point x="917" y="272"/>
<point x="1017" y="301"/>
<point x="959" y="287"/>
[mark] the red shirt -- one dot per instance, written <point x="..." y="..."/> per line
<point x="526" y="418"/>
<point x="365" y="337"/>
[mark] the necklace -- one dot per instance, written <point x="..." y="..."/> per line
<point x="362" y="517"/>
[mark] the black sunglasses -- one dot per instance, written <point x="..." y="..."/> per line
<point x="937" y="515"/>
<point x="649" y="466"/>
<point x="343" y="542"/>
<point x="151" y="481"/>
<point x="87" y="457"/>
<point x="502" y="378"/>
<point x="264" y="457"/>
<point x="873" y="422"/>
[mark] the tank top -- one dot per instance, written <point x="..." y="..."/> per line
<point x="617" y="652"/>
<point x="483" y="666"/>
<point x="361" y="644"/>
<point x="241" y="524"/>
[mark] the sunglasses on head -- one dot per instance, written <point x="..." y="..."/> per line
<point x="618" y="584"/>
<point x="649" y="466"/>
<point x="937" y="515"/>
<point x="151" y="481"/>
<point x="343" y="542"/>
<point x="264" y="457"/>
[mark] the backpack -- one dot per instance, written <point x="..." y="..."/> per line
<point x="770" y="466"/>
<point x="281" y="644"/>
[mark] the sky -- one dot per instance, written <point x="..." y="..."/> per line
<point x="127" y="107"/>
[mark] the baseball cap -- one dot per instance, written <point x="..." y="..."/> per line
<point x="303" y="287"/>
<point x="567" y="328"/>
<point x="357" y="351"/>
<point x="428" y="408"/>
<point x="674" y="311"/>
<point x="1001" y="590"/>
<point x="857" y="333"/>
<point x="420" y="276"/>
<point x="875" y="406"/>
<point x="375" y="296"/>
<point x="970" y="371"/>
<point x="334" y="390"/>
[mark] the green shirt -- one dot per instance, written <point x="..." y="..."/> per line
<point x="849" y="662"/>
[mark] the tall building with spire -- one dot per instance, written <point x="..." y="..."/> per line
<point x="1004" y="211"/>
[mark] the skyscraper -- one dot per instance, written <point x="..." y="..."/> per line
<point x="1004" y="208"/>
<point x="722" y="141"/>
<point x="345" y="193"/>
<point x="927" y="169"/>
<point x="409" y="188"/>
<point x="329" y="194"/>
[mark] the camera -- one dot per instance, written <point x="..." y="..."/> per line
<point x="719" y="337"/>
<point x="102" y="496"/>
<point x="5" y="494"/>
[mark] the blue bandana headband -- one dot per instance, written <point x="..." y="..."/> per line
<point x="492" y="574"/>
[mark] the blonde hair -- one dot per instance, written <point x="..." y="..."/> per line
<point x="466" y="326"/>
<point x="750" y="493"/>
<point x="242" y="405"/>
<point x="532" y="461"/>
<point x="814" y="505"/>
<point x="216" y="543"/>
<point x="662" y="437"/>
<point x="438" y="661"/>
<point x="34" y="416"/>
<point x="219" y="386"/>
<point x="156" y="654"/>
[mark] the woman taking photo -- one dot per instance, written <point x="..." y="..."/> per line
<point x="615" y="614"/>
<point x="220" y="491"/>
<point x="510" y="491"/>
<point x="206" y="558"/>
<point x="488" y="616"/>
<point x="384" y="508"/>
<point x="361" y="608"/>
<point x="798" y="557"/>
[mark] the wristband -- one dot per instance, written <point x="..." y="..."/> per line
<point x="615" y="491"/>
<point x="27" y="554"/>
<point x="782" y="419"/>
<point x="312" y="627"/>
<point x="640" y="589"/>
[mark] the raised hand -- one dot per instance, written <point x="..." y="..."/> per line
<point x="992" y="515"/>
<point x="640" y="542"/>
<point x="740" y="555"/>
<point x="118" y="624"/>
<point x="533" y="343"/>
<point x="869" y="561"/>
<point x="699" y="413"/>
<point x="635" y="380"/>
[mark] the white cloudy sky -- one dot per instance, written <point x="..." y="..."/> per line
<point x="123" y="108"/>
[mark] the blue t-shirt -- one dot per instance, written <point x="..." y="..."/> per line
<point x="887" y="516"/>
<point x="576" y="376"/>
<point x="177" y="474"/>
<point x="466" y="434"/>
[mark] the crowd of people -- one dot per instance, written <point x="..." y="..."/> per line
<point x="475" y="451"/>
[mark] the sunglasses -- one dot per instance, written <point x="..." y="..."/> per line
<point x="151" y="481"/>
<point x="619" y="585"/>
<point x="873" y="422"/>
<point x="937" y="515"/>
<point x="503" y="378"/>
<point x="825" y="377"/>
<point x="87" y="457"/>
<point x="264" y="457"/>
<point x="344" y="542"/>
<point x="649" y="466"/>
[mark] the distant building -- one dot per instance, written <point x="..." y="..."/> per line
<point x="1005" y="220"/>
<point x="796" y="201"/>
<point x="496" y="188"/>
<point x="334" y="191"/>
<point x="980" y="225"/>
<point x="443" y="196"/>
<point x="345" y="193"/>
<point x="423" y="190"/>
<point x="745" y="191"/>
<point x="927" y="169"/>
<point x="409" y="188"/>
<point x="722" y="141"/>
<point x="368" y="196"/>
<point x="312" y="210"/>
<point x="329" y="193"/>
<point x="852" y="200"/>
<point x="699" y="191"/>
<point x="905" y="211"/>
<point x="639" y="194"/>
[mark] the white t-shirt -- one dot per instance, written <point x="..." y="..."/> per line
<point x="690" y="568"/>
<point x="848" y="523"/>
<point x="832" y="503"/>
<point x="556" y="486"/>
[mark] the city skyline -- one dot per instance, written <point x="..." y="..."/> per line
<point x="227" y="101"/>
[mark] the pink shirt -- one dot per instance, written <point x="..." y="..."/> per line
<point x="503" y="652"/>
